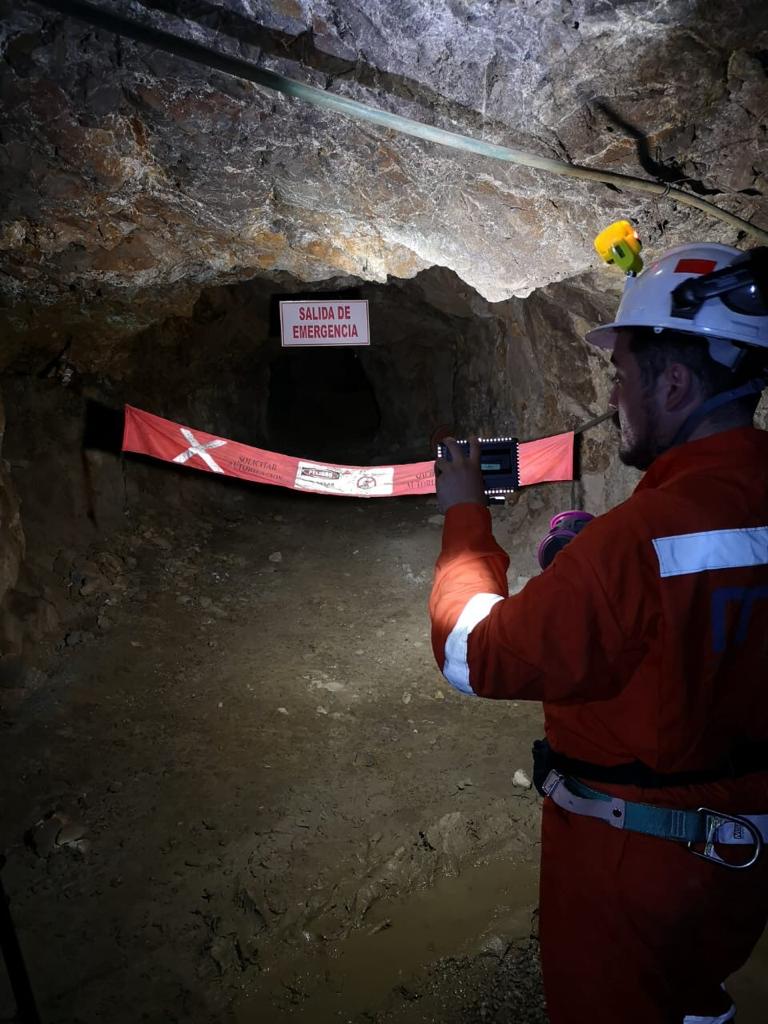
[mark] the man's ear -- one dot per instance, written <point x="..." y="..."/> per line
<point x="678" y="387"/>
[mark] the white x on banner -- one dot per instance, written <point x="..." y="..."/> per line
<point x="195" y="448"/>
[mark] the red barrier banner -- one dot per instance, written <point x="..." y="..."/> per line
<point x="147" y="434"/>
<point x="548" y="459"/>
<point x="545" y="461"/>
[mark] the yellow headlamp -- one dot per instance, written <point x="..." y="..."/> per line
<point x="619" y="244"/>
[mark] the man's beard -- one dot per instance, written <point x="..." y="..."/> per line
<point x="641" y="451"/>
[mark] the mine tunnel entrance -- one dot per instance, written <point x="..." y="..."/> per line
<point x="321" y="403"/>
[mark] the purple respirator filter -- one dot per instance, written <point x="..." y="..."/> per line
<point x="562" y="528"/>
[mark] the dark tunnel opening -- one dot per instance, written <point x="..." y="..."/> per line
<point x="321" y="404"/>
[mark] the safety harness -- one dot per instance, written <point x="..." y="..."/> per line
<point x="700" y="827"/>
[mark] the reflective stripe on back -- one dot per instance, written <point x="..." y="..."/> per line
<point x="456" y="668"/>
<point x="716" y="549"/>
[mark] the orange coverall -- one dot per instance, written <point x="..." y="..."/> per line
<point x="644" y="651"/>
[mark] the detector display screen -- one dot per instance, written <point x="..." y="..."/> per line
<point x="498" y="463"/>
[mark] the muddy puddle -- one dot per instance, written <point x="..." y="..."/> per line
<point x="484" y="909"/>
<point x="453" y="937"/>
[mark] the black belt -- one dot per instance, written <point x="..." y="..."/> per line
<point x="746" y="760"/>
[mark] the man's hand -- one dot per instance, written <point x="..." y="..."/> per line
<point x="460" y="480"/>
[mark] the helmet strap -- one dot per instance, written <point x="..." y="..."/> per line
<point x="752" y="387"/>
<point x="725" y="352"/>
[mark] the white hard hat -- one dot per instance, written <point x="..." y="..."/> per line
<point x="733" y="314"/>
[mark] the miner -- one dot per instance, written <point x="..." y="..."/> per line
<point x="646" y="640"/>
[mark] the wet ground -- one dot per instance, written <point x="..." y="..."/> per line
<point x="241" y="792"/>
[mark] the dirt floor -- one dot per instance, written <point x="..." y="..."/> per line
<point x="242" y="793"/>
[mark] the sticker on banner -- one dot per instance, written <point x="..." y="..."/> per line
<point x="372" y="482"/>
<point x="201" y="450"/>
<point x="321" y="322"/>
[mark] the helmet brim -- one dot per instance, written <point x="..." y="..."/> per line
<point x="602" y="337"/>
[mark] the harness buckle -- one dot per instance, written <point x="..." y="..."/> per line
<point x="551" y="782"/>
<point x="712" y="822"/>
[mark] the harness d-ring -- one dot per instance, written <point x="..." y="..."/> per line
<point x="713" y="822"/>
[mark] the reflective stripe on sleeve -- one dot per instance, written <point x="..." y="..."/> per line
<point x="456" y="669"/>
<point x="717" y="549"/>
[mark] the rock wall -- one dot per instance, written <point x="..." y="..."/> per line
<point x="134" y="179"/>
<point x="12" y="547"/>
<point x="11" y="534"/>
<point x="526" y="371"/>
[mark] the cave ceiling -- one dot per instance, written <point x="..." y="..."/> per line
<point x="132" y="178"/>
